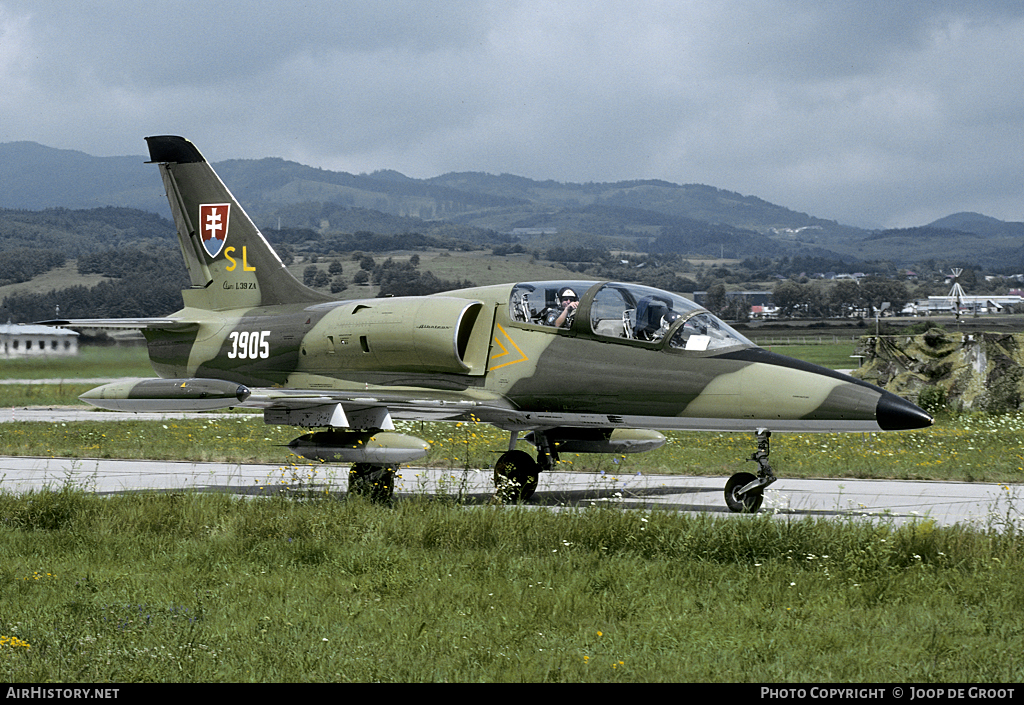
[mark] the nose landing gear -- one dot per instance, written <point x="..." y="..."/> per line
<point x="744" y="491"/>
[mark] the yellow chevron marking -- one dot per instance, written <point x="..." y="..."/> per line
<point x="497" y="356"/>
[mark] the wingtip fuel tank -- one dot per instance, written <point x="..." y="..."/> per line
<point x="168" y="395"/>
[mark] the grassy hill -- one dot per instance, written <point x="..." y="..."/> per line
<point x="476" y="206"/>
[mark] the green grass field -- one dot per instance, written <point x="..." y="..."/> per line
<point x="92" y="361"/>
<point x="835" y="356"/>
<point x="972" y="448"/>
<point x="192" y="587"/>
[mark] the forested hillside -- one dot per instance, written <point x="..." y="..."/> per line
<point x="648" y="231"/>
<point x="79" y="232"/>
<point x="137" y="250"/>
<point x="35" y="177"/>
<point x="24" y="263"/>
<point x="686" y="219"/>
<point x="138" y="255"/>
<point x="142" y="283"/>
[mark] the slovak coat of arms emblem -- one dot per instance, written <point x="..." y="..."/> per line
<point x="213" y="219"/>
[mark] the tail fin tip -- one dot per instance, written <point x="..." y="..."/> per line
<point x="172" y="149"/>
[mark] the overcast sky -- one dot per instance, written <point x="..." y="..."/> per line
<point x="890" y="113"/>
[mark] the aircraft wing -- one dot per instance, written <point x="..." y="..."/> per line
<point x="308" y="407"/>
<point x="376" y="408"/>
<point x="366" y="408"/>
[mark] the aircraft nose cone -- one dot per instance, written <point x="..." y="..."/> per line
<point x="895" y="413"/>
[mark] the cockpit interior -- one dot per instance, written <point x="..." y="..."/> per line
<point x="626" y="312"/>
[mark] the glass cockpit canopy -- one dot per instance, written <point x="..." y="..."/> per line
<point x="625" y="312"/>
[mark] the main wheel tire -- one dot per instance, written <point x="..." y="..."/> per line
<point x="375" y="482"/>
<point x="515" y="476"/>
<point x="750" y="502"/>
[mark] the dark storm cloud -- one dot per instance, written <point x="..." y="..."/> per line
<point x="866" y="112"/>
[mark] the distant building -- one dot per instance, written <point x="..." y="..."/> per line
<point x="946" y="305"/>
<point x="25" y="340"/>
<point x="764" y="311"/>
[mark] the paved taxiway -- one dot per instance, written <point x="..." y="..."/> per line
<point x="980" y="504"/>
<point x="947" y="503"/>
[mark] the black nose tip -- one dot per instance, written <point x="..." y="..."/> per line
<point x="897" y="414"/>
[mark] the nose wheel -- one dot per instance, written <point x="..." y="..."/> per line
<point x="739" y="498"/>
<point x="744" y="491"/>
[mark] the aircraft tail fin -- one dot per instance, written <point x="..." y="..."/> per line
<point x="230" y="263"/>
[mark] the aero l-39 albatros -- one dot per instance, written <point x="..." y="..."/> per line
<point x="565" y="366"/>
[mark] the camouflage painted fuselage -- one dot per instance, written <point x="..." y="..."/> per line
<point x="631" y="357"/>
<point x="464" y="346"/>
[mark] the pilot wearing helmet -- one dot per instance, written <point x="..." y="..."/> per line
<point x="561" y="317"/>
<point x="666" y="322"/>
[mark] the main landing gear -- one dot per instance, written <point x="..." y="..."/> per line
<point x="375" y="482"/>
<point x="516" y="472"/>
<point x="744" y="491"/>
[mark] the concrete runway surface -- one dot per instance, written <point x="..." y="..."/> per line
<point x="947" y="503"/>
<point x="978" y="504"/>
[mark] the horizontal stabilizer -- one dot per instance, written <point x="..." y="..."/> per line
<point x="176" y="324"/>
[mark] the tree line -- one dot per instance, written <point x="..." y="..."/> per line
<point x="404" y="279"/>
<point x="23" y="264"/>
<point x="78" y="232"/>
<point x="144" y="283"/>
<point x="137" y="251"/>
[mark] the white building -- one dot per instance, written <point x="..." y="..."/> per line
<point x="946" y="305"/>
<point x="26" y="340"/>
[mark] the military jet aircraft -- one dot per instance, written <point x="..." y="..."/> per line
<point x="565" y="366"/>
